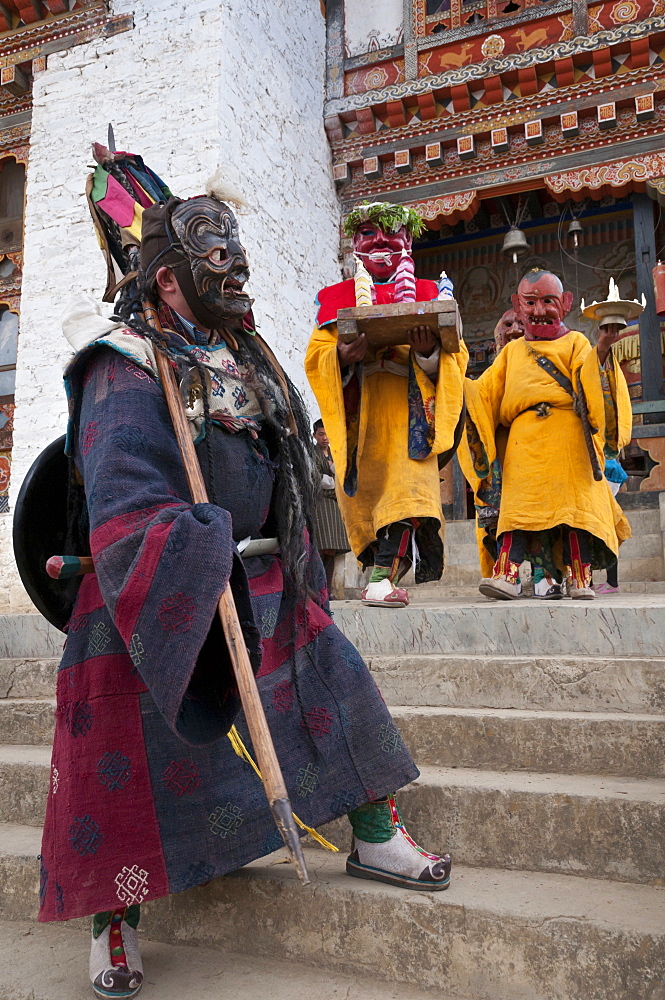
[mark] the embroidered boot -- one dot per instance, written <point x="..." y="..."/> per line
<point x="392" y="558"/>
<point x="500" y="588"/>
<point x="116" y="969"/>
<point x="579" y="581"/>
<point x="384" y="851"/>
<point x="580" y="592"/>
<point x="504" y="583"/>
<point x="383" y="594"/>
<point x="579" y="571"/>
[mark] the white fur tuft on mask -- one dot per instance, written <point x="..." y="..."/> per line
<point x="221" y="189"/>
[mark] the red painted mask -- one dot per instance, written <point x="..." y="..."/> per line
<point x="379" y="251"/>
<point x="541" y="304"/>
<point x="509" y="327"/>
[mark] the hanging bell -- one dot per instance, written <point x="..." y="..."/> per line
<point x="515" y="244"/>
<point x="575" y="229"/>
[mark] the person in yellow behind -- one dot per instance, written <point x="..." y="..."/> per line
<point x="388" y="412"/>
<point x="544" y="388"/>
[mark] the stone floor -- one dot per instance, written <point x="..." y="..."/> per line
<point x="48" y="962"/>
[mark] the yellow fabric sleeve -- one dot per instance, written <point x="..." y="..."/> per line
<point x="589" y="370"/>
<point x="483" y="397"/>
<point x="449" y="397"/>
<point x="324" y="375"/>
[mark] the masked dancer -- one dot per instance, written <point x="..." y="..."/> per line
<point x="148" y="796"/>
<point x="389" y="412"/>
<point x="564" y="403"/>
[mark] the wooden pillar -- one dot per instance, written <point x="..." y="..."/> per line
<point x="645" y="260"/>
<point x="459" y="491"/>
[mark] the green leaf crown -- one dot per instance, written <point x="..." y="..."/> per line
<point x="388" y="217"/>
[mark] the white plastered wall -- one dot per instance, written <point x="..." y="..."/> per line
<point x="192" y="86"/>
<point x="372" y="25"/>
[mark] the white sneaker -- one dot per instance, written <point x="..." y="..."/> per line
<point x="581" y="593"/>
<point x="548" y="591"/>
<point x="108" y="980"/>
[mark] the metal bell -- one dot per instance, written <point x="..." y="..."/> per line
<point x="574" y="230"/>
<point x="515" y="244"/>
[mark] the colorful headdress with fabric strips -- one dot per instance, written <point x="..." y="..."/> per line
<point x="390" y="218"/>
<point x="118" y="190"/>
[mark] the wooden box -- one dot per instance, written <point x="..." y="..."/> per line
<point x="387" y="325"/>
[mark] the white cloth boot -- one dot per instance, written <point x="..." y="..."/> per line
<point x="116" y="942"/>
<point x="399" y="861"/>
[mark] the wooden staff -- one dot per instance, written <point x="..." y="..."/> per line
<point x="271" y="773"/>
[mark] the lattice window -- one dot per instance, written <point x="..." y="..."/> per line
<point x="436" y="16"/>
<point x="12" y="187"/>
<point x="12" y="184"/>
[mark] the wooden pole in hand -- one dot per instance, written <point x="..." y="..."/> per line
<point x="271" y="773"/>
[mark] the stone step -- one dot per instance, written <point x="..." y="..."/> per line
<point x="27" y="720"/>
<point x="494" y="934"/>
<point x="642" y="586"/>
<point x="28" y="678"/>
<point x="458" y="575"/>
<point x="583" y="683"/>
<point x="600" y="827"/>
<point x="29" y="637"/>
<point x="460" y="533"/>
<point x="24" y="778"/>
<point x="641" y="569"/>
<point x="622" y="744"/>
<point x="560" y="742"/>
<point x="598" y="743"/>
<point x="557" y="683"/>
<point x="465" y="585"/>
<point x="462" y="553"/>
<point x="642" y="545"/>
<point x="50" y="962"/>
<point x="644" y="522"/>
<point x="615" y="626"/>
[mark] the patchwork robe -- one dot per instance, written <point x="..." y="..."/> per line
<point x="387" y="422"/>
<point x="146" y="796"/>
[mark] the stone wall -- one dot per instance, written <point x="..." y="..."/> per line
<point x="193" y="86"/>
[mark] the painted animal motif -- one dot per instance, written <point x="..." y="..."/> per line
<point x="527" y="40"/>
<point x="459" y="58"/>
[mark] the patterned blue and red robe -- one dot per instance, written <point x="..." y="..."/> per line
<point x="147" y="796"/>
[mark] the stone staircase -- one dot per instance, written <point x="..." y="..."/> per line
<point x="539" y="730"/>
<point x="641" y="561"/>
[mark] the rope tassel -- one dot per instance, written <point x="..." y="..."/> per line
<point x="244" y="754"/>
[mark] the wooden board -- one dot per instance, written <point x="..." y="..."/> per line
<point x="387" y="325"/>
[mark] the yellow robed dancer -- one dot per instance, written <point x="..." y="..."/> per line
<point x="388" y="413"/>
<point x="548" y="500"/>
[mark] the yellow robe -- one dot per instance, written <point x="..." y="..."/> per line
<point x="546" y="471"/>
<point x="391" y="486"/>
